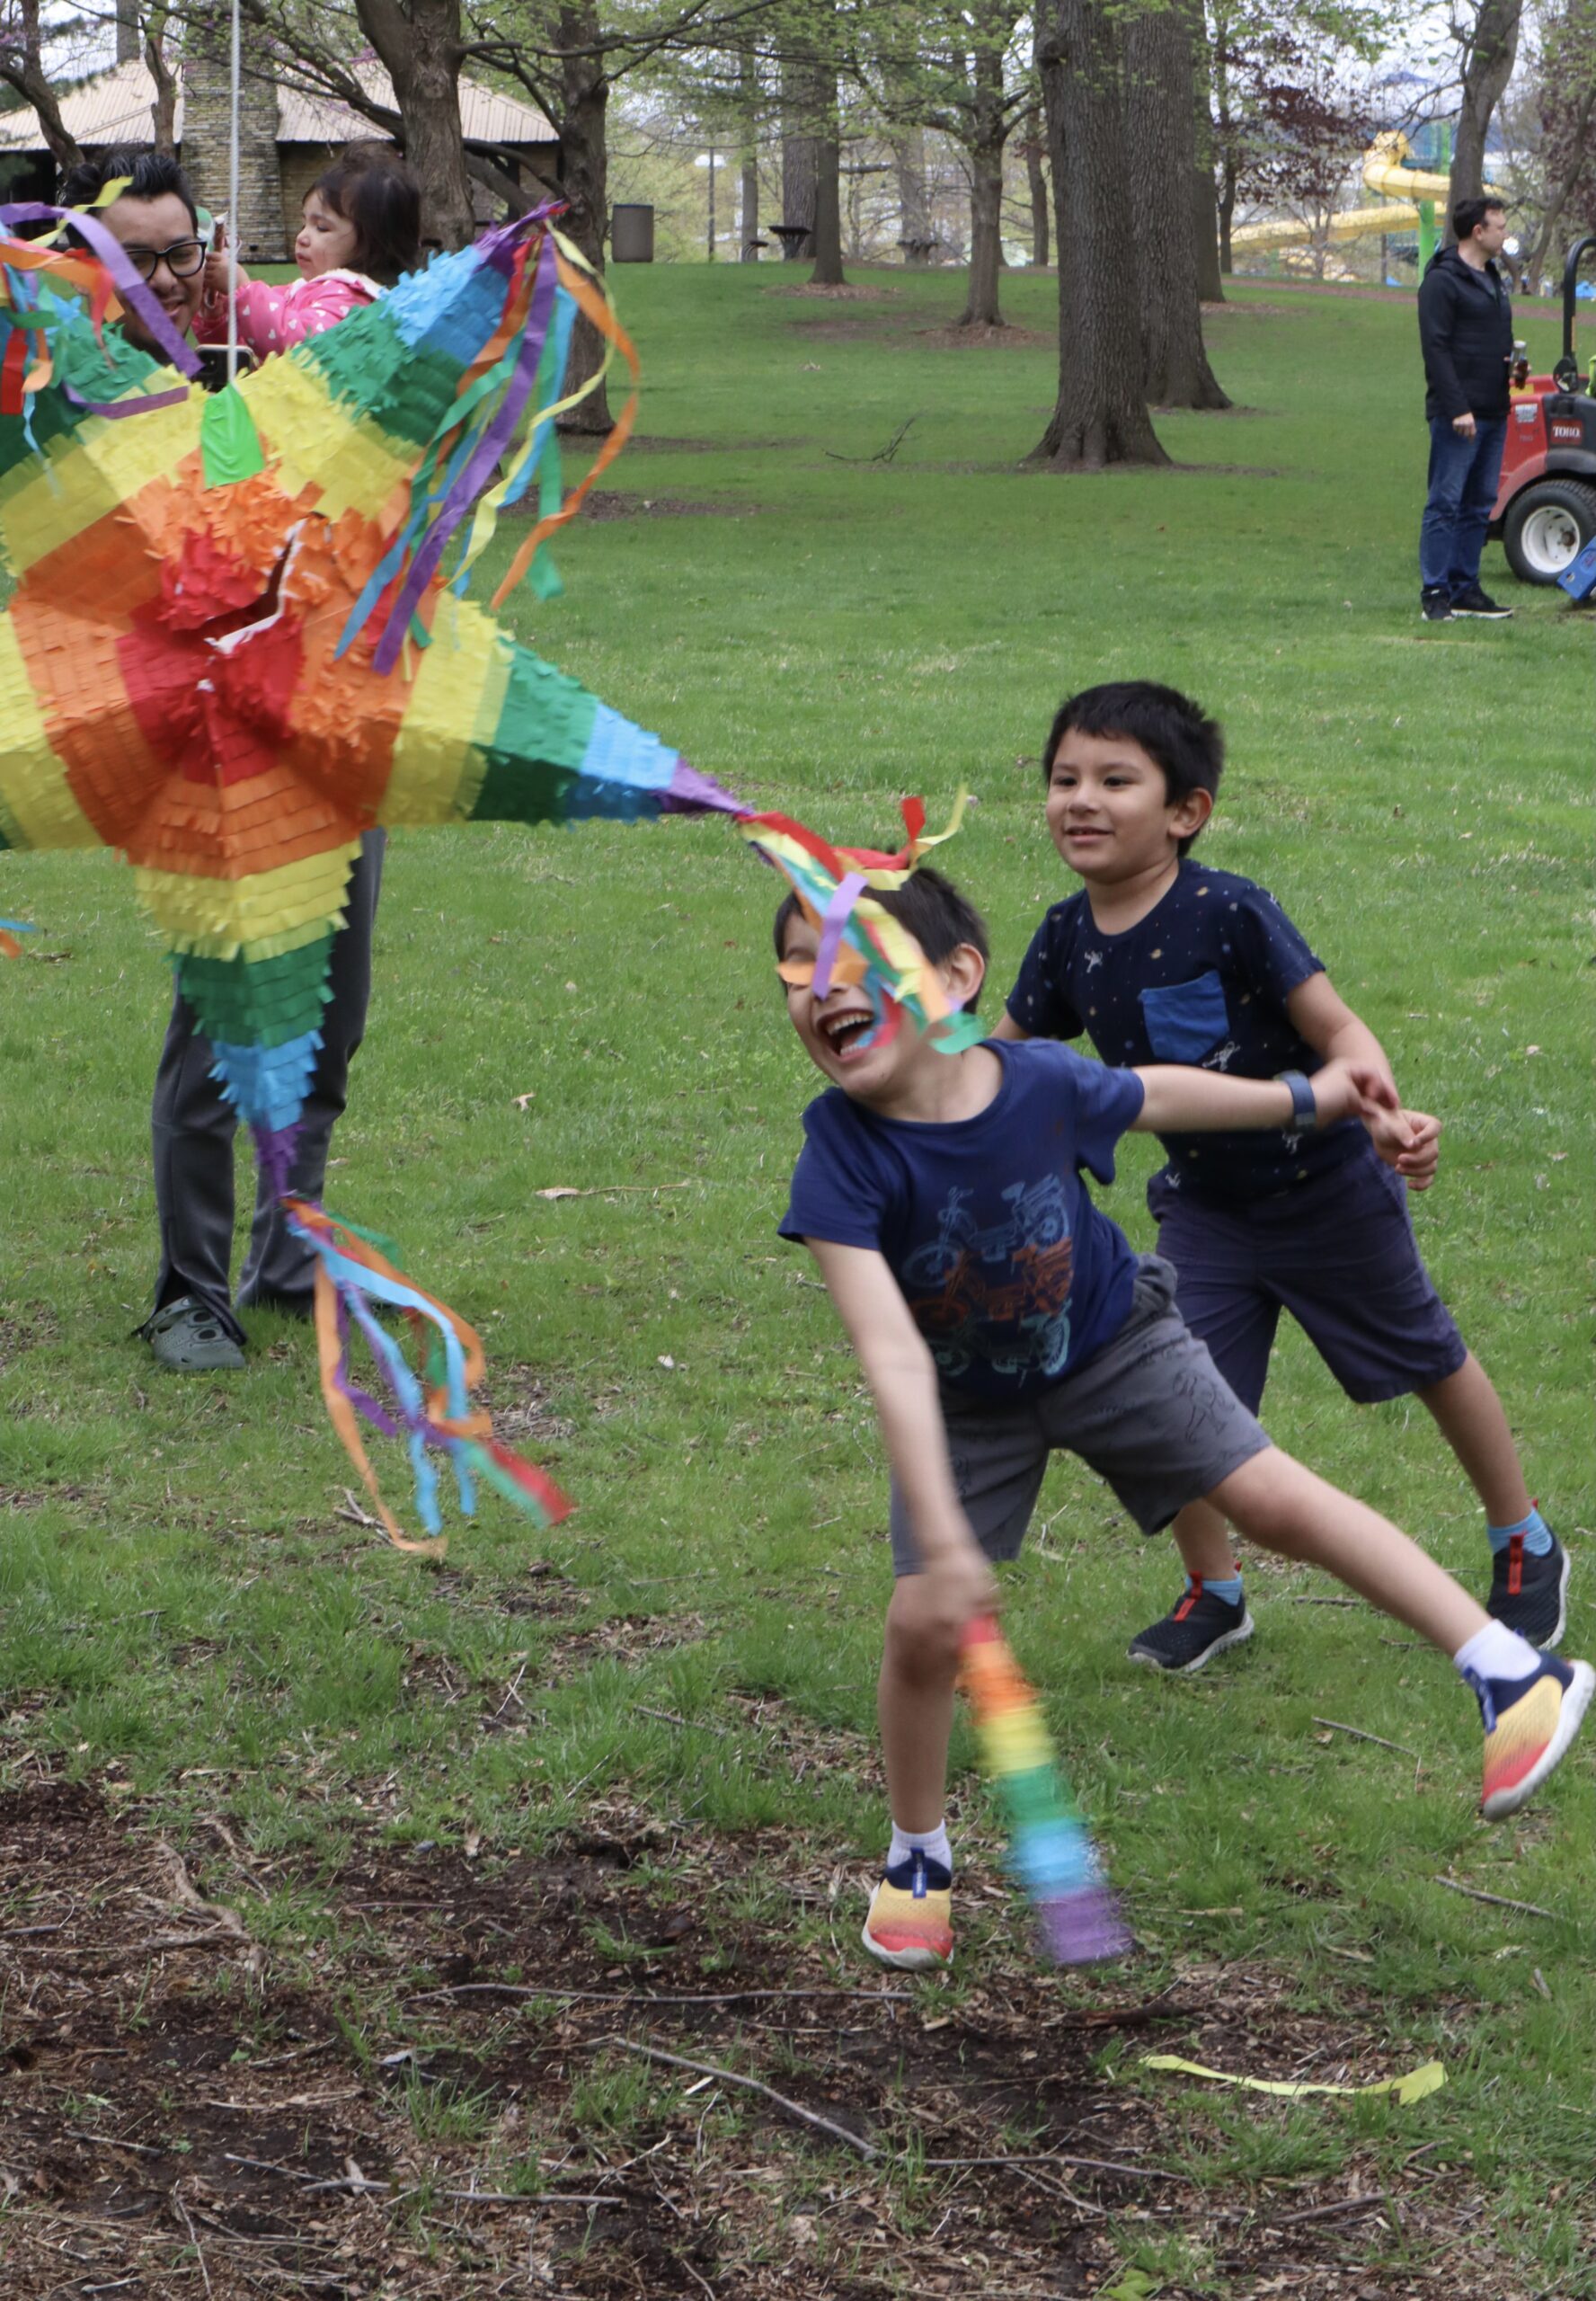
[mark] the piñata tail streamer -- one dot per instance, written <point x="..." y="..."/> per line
<point x="1050" y="1851"/>
<point x="862" y="944"/>
<point x="10" y="928"/>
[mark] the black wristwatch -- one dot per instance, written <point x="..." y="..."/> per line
<point x="1305" y="1111"/>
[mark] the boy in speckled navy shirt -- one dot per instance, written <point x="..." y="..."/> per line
<point x="1159" y="959"/>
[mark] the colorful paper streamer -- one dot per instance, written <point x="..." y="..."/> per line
<point x="1428" y="2078"/>
<point x="1050" y="1853"/>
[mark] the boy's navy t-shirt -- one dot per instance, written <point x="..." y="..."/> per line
<point x="1013" y="1275"/>
<point x="1203" y="979"/>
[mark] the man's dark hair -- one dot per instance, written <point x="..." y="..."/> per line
<point x="151" y="175"/>
<point x="1176" y="733"/>
<point x="1468" y="215"/>
<point x="929" y="906"/>
<point x="370" y="186"/>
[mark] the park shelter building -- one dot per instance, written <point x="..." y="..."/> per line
<point x="285" y="139"/>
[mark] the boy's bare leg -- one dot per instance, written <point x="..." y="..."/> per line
<point x="915" y="1706"/>
<point x="1278" y="1503"/>
<point x="1472" y="1422"/>
<point x="1202" y="1538"/>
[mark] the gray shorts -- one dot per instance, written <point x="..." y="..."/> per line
<point x="1149" y="1412"/>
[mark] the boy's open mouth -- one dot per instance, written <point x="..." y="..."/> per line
<point x="843" y="1031"/>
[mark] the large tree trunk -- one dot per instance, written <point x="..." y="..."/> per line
<point x="1205" y="227"/>
<point x="1035" y="149"/>
<point x="1488" y="67"/>
<point x="1227" y="187"/>
<point x="828" y="217"/>
<point x="1101" y="416"/>
<point x="986" y="240"/>
<point x="418" y="44"/>
<point x="25" y="74"/>
<point x="916" y="237"/>
<point x="584" y="183"/>
<point x="164" y="102"/>
<point x="1161" y="120"/>
<point x="748" y="158"/>
<point x="127" y="31"/>
<point x="985" y="155"/>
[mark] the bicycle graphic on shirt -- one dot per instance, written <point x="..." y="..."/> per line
<point x="1005" y="1287"/>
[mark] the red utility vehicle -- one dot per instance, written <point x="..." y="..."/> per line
<point x="1545" y="504"/>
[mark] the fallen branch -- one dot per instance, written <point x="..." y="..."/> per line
<point x="882" y="455"/>
<point x="1061" y="2157"/>
<point x="1498" y="1901"/>
<point x="1372" y="2198"/>
<point x="645" y="1996"/>
<point x="1359" y="1735"/>
<point x="754" y="2085"/>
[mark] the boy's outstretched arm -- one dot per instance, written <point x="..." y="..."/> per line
<point x="1177" y="1099"/>
<point x="1320" y="1015"/>
<point x="902" y="1379"/>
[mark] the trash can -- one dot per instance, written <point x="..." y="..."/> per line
<point x="631" y="232"/>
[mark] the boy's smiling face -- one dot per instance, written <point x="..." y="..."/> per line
<point x="898" y="1059"/>
<point x="1110" y="813"/>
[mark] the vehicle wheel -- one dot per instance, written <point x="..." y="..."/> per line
<point x="1547" y="528"/>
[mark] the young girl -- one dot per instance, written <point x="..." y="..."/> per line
<point x="362" y="230"/>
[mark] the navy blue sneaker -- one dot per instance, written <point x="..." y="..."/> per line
<point x="1193" y="1631"/>
<point x="1529" y="1593"/>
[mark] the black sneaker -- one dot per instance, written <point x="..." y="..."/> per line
<point x="1435" y="607"/>
<point x="1528" y="1594"/>
<point x="1200" y="1627"/>
<point x="1480" y="604"/>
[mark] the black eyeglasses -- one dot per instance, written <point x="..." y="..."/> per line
<point x="183" y="259"/>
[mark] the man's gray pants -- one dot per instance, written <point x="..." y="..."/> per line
<point x="192" y="1126"/>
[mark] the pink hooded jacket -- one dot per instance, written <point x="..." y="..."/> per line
<point x="272" y="319"/>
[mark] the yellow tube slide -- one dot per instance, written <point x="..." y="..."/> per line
<point x="1383" y="172"/>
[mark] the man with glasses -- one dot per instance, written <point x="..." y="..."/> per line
<point x="192" y="1328"/>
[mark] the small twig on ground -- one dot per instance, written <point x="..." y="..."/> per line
<point x="1323" y="1602"/>
<point x="1370" y="2199"/>
<point x="1057" y="2188"/>
<point x="194" y="2234"/>
<point x="114" y="2141"/>
<point x="1500" y="1901"/>
<point x="882" y="455"/>
<point x="1359" y="1735"/>
<point x="692" y="1726"/>
<point x="754" y="2085"/>
<point x="646" y="1997"/>
<point x="352" y="1511"/>
<point x="682" y="2262"/>
<point x="1062" y="2157"/>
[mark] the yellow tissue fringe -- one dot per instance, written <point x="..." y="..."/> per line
<point x="217" y="919"/>
<point x="36" y="807"/>
<point x="453" y="707"/>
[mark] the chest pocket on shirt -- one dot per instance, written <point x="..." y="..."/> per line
<point x="1186" y="1019"/>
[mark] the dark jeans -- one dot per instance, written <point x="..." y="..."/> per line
<point x="1463" y="477"/>
<point x="192" y="1127"/>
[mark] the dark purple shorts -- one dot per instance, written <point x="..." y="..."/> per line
<point x="1339" y="1254"/>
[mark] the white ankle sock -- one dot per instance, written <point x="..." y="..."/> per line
<point x="1497" y="1652"/>
<point x="933" y="1844"/>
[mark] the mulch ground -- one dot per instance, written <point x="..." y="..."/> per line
<point x="428" y="2078"/>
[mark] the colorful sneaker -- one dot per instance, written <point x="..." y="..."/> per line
<point x="1529" y="1724"/>
<point x="1200" y="1627"/>
<point x="1528" y="1594"/>
<point x="910" y="1919"/>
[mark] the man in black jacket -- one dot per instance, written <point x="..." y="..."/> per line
<point x="1465" y="330"/>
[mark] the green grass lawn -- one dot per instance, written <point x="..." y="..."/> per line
<point x="187" y="1617"/>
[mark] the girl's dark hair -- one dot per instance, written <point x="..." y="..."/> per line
<point x="373" y="189"/>
<point x="1173" y="732"/>
<point x="151" y="175"/>
<point x="931" y="907"/>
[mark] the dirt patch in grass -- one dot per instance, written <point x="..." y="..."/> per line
<point x="846" y="294"/>
<point x="612" y="503"/>
<point x="439" y="2091"/>
<point x="985" y="339"/>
